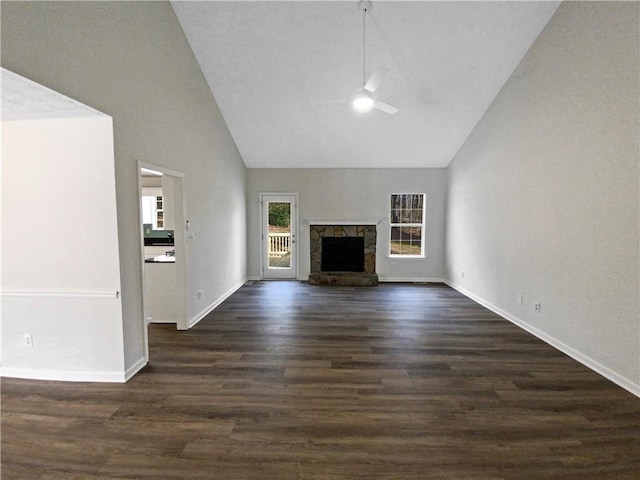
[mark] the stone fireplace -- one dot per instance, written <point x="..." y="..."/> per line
<point x="352" y="251"/>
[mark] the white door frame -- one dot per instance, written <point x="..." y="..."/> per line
<point x="268" y="273"/>
<point x="180" y="245"/>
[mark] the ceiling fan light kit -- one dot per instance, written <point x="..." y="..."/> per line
<point x="362" y="102"/>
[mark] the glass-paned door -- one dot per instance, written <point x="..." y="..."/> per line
<point x="279" y="220"/>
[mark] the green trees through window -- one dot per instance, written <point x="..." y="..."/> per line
<point x="407" y="225"/>
<point x="279" y="214"/>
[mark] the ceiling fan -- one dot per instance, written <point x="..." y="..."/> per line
<point x="364" y="100"/>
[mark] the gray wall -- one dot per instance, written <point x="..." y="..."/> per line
<point x="353" y="193"/>
<point x="132" y="61"/>
<point x="543" y="197"/>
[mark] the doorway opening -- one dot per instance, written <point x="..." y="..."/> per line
<point x="162" y="221"/>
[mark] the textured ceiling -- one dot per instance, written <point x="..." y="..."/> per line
<point x="269" y="64"/>
<point x="23" y="99"/>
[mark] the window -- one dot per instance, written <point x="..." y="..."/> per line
<point x="407" y="225"/>
<point x="153" y="208"/>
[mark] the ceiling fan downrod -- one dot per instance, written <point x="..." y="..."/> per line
<point x="364" y="6"/>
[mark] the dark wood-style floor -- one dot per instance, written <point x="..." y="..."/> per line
<point x="289" y="381"/>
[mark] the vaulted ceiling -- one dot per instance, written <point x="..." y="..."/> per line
<point x="271" y="65"/>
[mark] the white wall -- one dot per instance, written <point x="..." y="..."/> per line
<point x="543" y="197"/>
<point x="353" y="194"/>
<point x="132" y="61"/>
<point x="60" y="270"/>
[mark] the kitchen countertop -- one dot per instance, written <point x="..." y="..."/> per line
<point x="161" y="259"/>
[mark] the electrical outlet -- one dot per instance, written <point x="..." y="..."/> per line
<point x="537" y="307"/>
<point x="520" y="298"/>
<point x="199" y="294"/>
<point x="462" y="274"/>
<point x="28" y="340"/>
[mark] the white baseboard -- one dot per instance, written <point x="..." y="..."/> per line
<point x="194" y="320"/>
<point x="74" y="376"/>
<point x="63" y="375"/>
<point x="410" y="280"/>
<point x="554" y="342"/>
<point x="135" y="368"/>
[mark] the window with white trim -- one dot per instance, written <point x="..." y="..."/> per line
<point x="407" y="225"/>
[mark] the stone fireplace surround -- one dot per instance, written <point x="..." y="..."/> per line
<point x="318" y="231"/>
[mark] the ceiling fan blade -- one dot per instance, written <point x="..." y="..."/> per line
<point x="375" y="80"/>
<point x="384" y="107"/>
<point x="331" y="102"/>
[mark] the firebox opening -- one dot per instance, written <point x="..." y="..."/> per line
<point x="342" y="254"/>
